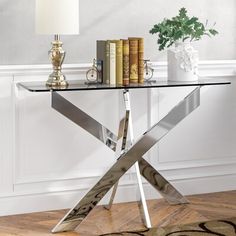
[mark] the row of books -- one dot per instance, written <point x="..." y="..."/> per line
<point x="121" y="61"/>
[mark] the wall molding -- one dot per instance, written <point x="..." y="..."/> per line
<point x="206" y="68"/>
<point x="67" y="199"/>
<point x="19" y="70"/>
<point x="166" y="167"/>
<point x="84" y="183"/>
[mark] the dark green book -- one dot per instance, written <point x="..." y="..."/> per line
<point x="103" y="51"/>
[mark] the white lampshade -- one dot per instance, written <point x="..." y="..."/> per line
<point x="57" y="17"/>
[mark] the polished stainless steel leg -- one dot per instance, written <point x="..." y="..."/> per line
<point x="120" y="147"/>
<point x="151" y="137"/>
<point x="143" y="204"/>
<point x="82" y="119"/>
<point x="166" y="189"/>
<point x="112" y="197"/>
<point x="129" y="126"/>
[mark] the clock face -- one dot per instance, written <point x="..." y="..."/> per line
<point x="92" y="75"/>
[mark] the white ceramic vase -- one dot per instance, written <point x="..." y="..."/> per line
<point x="182" y="63"/>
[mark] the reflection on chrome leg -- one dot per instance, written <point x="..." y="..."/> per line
<point x="161" y="184"/>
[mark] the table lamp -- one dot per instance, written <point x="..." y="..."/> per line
<point x="57" y="17"/>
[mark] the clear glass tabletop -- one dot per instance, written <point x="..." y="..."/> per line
<point x="81" y="85"/>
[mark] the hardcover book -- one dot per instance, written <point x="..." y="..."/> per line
<point x="141" y="60"/>
<point x="107" y="63"/>
<point x="112" y="63"/>
<point x="119" y="61"/>
<point x="133" y="60"/>
<point x="106" y="56"/>
<point x="101" y="57"/>
<point x="125" y="62"/>
<point x="140" y="55"/>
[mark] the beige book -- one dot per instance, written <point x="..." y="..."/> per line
<point x="112" y="63"/>
<point x="107" y="63"/>
<point x="119" y="61"/>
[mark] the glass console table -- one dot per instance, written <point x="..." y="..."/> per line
<point x="128" y="153"/>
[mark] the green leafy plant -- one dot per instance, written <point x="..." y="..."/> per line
<point x="180" y="28"/>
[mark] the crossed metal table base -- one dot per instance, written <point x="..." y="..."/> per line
<point x="128" y="153"/>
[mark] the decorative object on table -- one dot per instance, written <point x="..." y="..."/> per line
<point x="122" y="60"/>
<point x="57" y="17"/>
<point x="93" y="75"/>
<point x="225" y="227"/>
<point x="180" y="31"/>
<point x="148" y="71"/>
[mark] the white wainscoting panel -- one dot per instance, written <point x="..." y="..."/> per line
<point x="6" y="134"/>
<point x="207" y="132"/>
<point x="47" y="162"/>
<point x="51" y="147"/>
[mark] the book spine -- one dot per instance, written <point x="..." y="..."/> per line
<point x="107" y="62"/>
<point x="119" y="61"/>
<point x="133" y="60"/>
<point x="141" y="60"/>
<point x="101" y="58"/>
<point x="125" y="62"/>
<point x="112" y="63"/>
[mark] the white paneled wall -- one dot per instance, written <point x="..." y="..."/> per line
<point x="6" y="135"/>
<point x="47" y="162"/>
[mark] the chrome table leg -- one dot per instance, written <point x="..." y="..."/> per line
<point x="151" y="137"/>
<point x="143" y="202"/>
<point x="120" y="147"/>
<point x="82" y="119"/>
<point x="129" y="126"/>
<point x="113" y="194"/>
<point x="164" y="187"/>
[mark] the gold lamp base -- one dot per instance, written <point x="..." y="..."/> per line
<point x="56" y="79"/>
<point x="57" y="55"/>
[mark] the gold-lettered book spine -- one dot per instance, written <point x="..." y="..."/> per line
<point x="125" y="62"/>
<point x="119" y="61"/>
<point x="133" y="60"/>
<point x="141" y="60"/>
